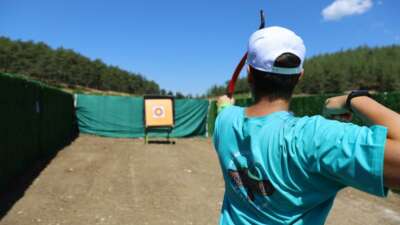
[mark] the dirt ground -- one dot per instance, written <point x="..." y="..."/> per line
<point x="122" y="181"/>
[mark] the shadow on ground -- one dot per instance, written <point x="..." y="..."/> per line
<point x="16" y="188"/>
<point x="161" y="142"/>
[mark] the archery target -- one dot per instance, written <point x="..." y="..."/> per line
<point x="158" y="112"/>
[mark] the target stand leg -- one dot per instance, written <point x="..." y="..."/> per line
<point x="168" y="136"/>
<point x="145" y="136"/>
<point x="169" y="131"/>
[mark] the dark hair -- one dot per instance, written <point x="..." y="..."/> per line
<point x="275" y="86"/>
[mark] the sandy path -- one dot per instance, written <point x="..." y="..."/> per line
<point x="122" y="182"/>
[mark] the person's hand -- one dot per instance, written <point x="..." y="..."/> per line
<point x="224" y="101"/>
<point x="335" y="108"/>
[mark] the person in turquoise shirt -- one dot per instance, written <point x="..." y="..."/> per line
<point x="283" y="169"/>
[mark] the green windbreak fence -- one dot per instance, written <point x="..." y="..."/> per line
<point x="309" y="105"/>
<point x="121" y="116"/>
<point x="35" y="121"/>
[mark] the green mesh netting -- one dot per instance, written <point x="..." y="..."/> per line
<point x="122" y="116"/>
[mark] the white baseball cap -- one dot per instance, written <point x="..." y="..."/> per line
<point x="267" y="44"/>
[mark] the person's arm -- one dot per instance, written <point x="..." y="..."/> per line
<point x="377" y="114"/>
<point x="380" y="115"/>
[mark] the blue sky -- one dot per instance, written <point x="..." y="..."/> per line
<point x="188" y="46"/>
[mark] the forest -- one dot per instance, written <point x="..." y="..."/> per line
<point x="376" y="69"/>
<point x="65" y="66"/>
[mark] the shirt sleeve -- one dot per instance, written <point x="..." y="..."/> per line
<point x="349" y="154"/>
<point x="215" y="133"/>
<point x="223" y="106"/>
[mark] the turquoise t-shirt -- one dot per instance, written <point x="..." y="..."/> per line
<point x="282" y="169"/>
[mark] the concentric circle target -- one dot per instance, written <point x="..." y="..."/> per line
<point x="158" y="112"/>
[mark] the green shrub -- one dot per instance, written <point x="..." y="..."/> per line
<point x="310" y="105"/>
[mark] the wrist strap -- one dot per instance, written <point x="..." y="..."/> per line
<point x="355" y="94"/>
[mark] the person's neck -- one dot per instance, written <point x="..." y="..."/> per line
<point x="264" y="107"/>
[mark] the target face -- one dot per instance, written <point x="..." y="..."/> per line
<point x="159" y="112"/>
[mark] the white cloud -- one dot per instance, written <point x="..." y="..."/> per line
<point x="341" y="8"/>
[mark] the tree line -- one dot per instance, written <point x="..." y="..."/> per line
<point x="364" y="67"/>
<point x="65" y="66"/>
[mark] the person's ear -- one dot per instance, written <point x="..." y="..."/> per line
<point x="301" y="75"/>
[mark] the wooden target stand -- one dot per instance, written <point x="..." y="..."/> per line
<point x="159" y="115"/>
